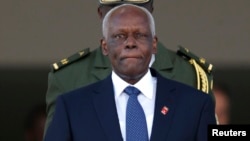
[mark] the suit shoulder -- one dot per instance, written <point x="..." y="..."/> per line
<point x="69" y="60"/>
<point x="195" y="60"/>
<point x="88" y="90"/>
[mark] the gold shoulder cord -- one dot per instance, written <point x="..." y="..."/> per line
<point x="202" y="80"/>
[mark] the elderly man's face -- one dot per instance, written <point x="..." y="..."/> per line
<point x="129" y="44"/>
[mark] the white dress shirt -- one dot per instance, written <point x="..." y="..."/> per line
<point x="147" y="86"/>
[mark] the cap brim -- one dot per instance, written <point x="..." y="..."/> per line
<point x="123" y="2"/>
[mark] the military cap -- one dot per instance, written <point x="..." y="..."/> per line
<point x="111" y="2"/>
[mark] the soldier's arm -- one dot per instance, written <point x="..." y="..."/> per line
<point x="53" y="91"/>
<point x="204" y="72"/>
<point x="58" y="82"/>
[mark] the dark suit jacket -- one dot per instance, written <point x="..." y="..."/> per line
<point x="94" y="66"/>
<point x="89" y="113"/>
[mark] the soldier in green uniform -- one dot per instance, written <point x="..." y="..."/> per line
<point x="87" y="66"/>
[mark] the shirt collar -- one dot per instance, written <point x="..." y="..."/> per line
<point x="145" y="85"/>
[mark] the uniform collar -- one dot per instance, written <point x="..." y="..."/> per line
<point x="162" y="60"/>
<point x="100" y="60"/>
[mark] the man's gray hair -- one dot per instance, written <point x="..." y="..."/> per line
<point x="105" y="23"/>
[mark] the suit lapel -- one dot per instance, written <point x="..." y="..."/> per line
<point x="104" y="104"/>
<point x="165" y="102"/>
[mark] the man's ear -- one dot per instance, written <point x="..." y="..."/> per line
<point x="99" y="11"/>
<point x="155" y="42"/>
<point x="104" y="47"/>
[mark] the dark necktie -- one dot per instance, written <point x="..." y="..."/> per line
<point x="136" y="125"/>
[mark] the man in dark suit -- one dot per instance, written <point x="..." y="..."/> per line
<point x="89" y="66"/>
<point x="167" y="109"/>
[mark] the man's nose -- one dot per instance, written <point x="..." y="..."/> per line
<point x="130" y="42"/>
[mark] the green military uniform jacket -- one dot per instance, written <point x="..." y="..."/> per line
<point x="87" y="67"/>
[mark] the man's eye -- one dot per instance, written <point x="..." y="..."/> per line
<point x="119" y="36"/>
<point x="140" y="35"/>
